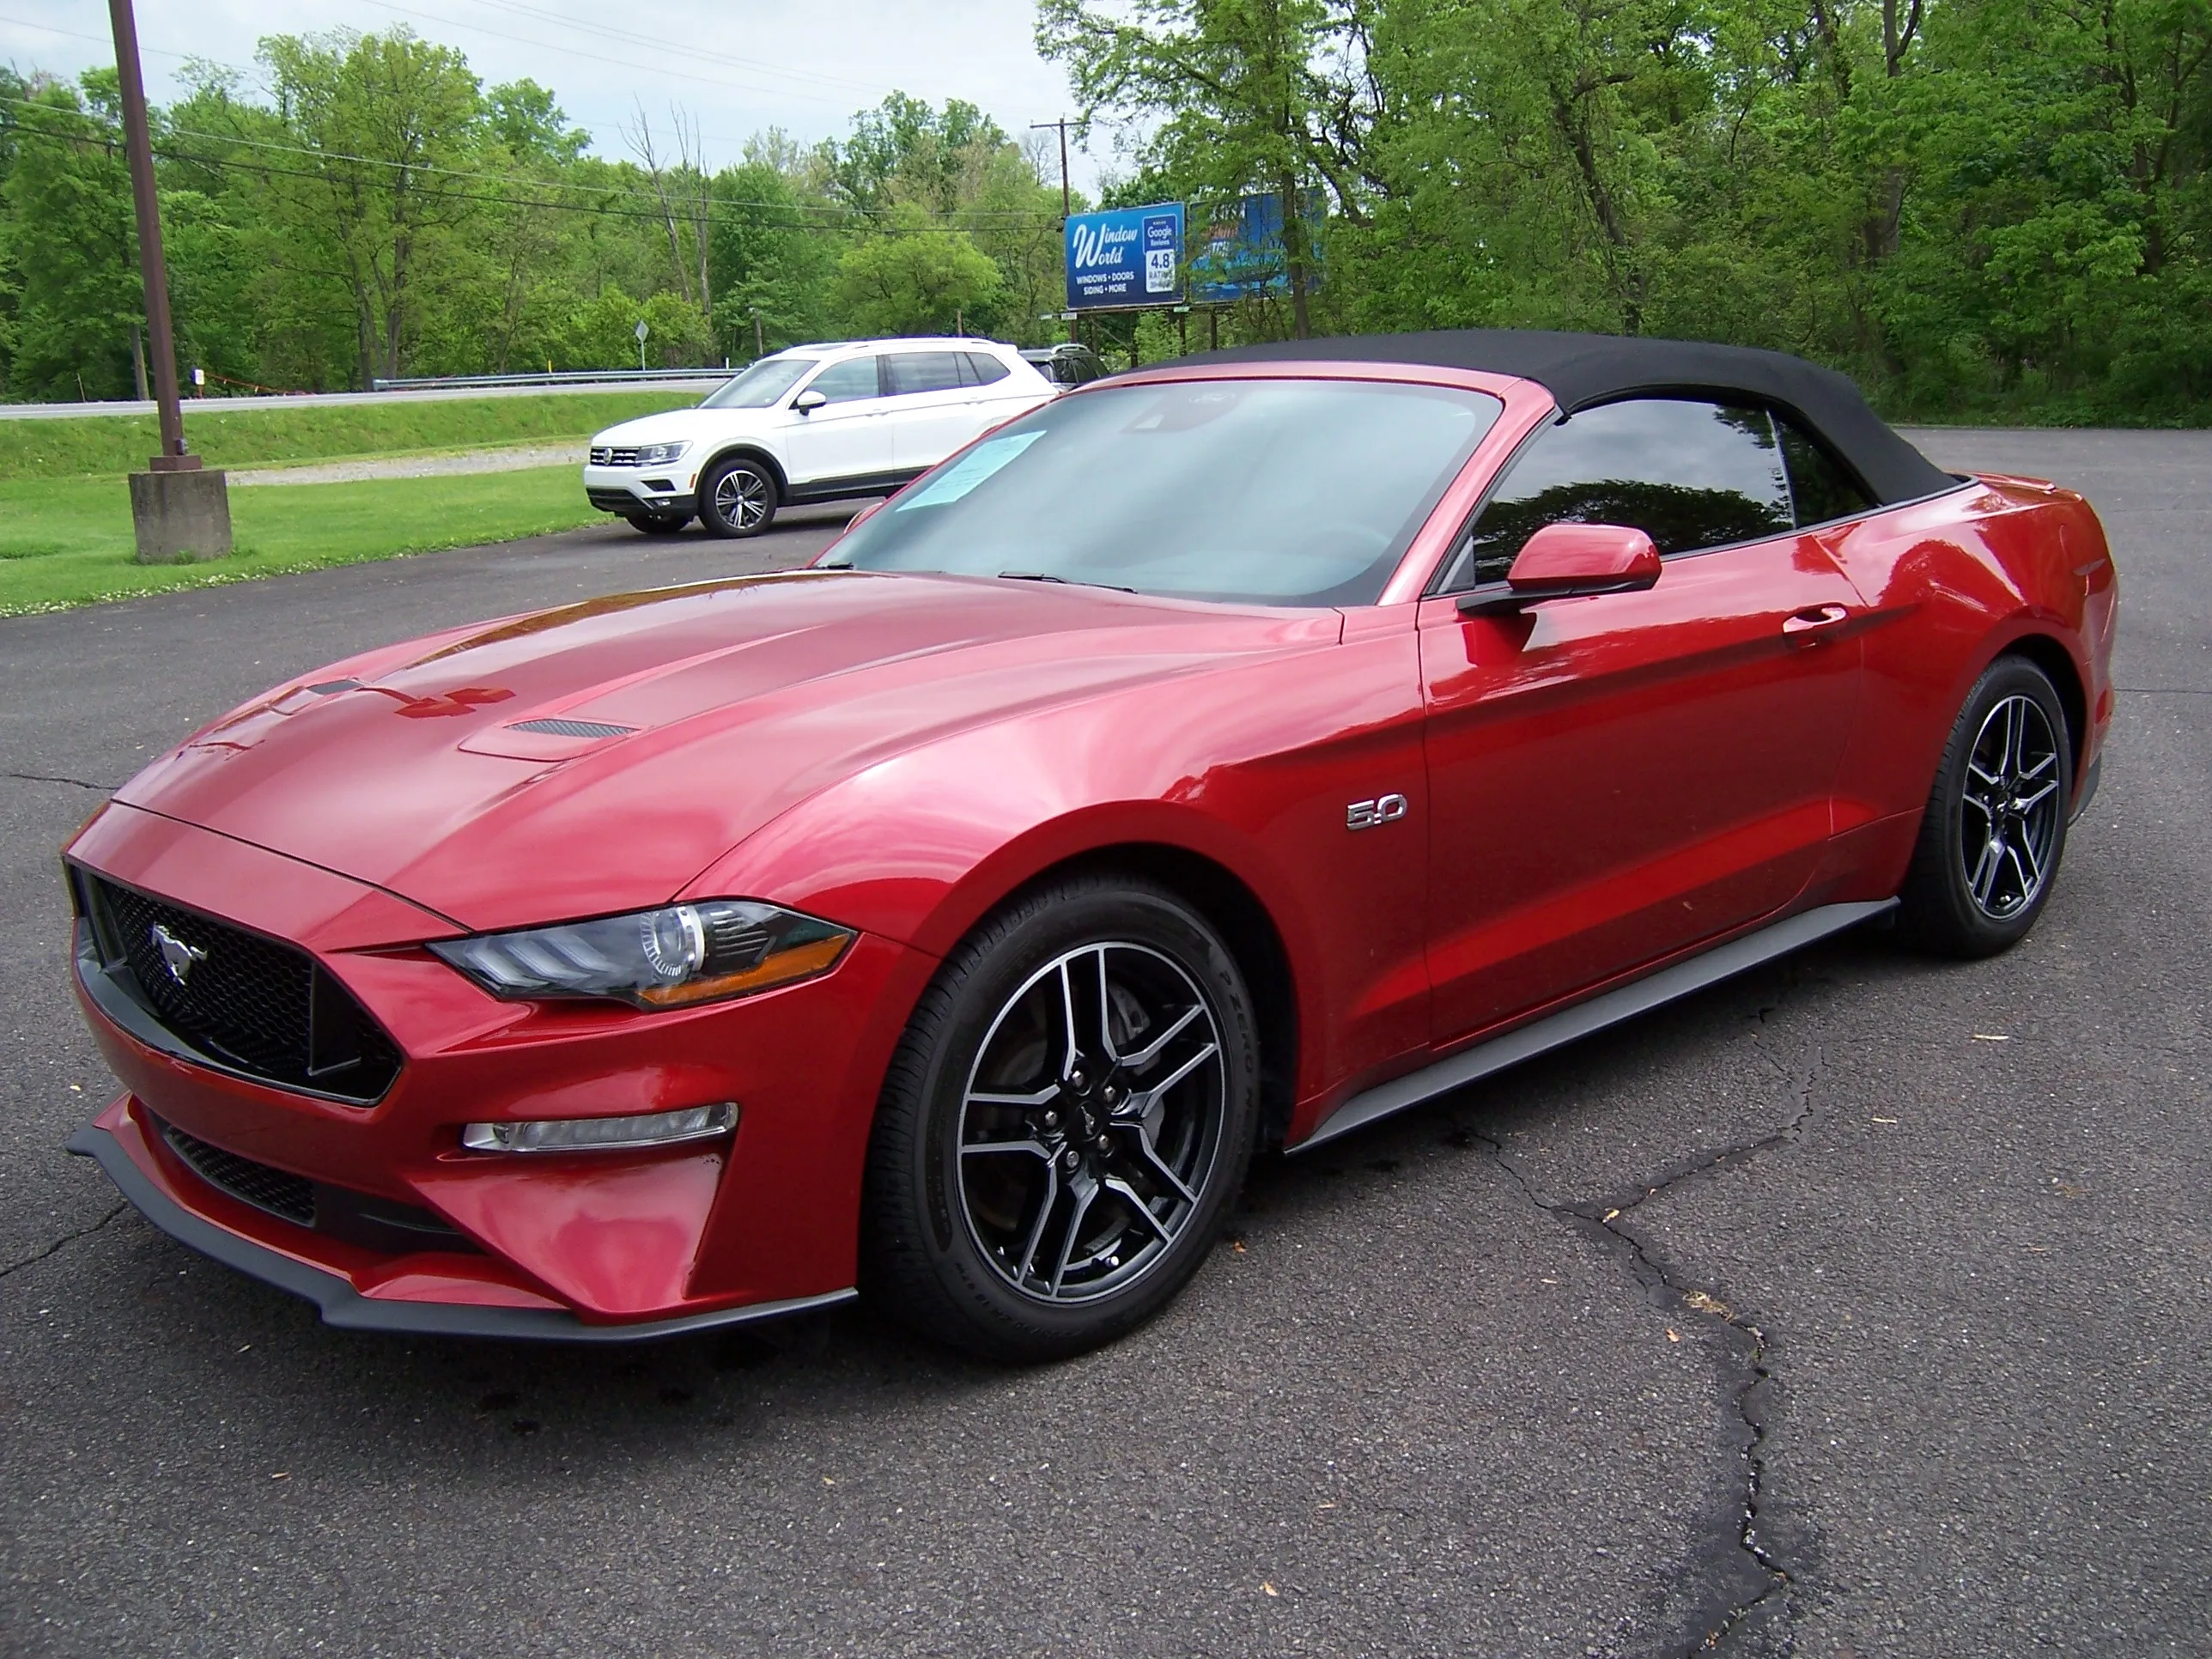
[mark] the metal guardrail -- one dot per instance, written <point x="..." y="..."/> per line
<point x="563" y="377"/>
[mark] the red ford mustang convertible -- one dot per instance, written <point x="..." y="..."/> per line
<point x="1221" y="757"/>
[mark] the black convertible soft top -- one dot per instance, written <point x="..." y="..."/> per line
<point x="1580" y="370"/>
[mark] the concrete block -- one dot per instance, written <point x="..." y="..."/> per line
<point x="181" y="516"/>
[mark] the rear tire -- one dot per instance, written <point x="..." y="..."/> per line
<point x="1065" y="1124"/>
<point x="1995" y="828"/>
<point x="738" y="497"/>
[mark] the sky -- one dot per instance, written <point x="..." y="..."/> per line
<point x="734" y="66"/>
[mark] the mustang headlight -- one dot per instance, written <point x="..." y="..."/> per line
<point x="665" y="958"/>
<point x="660" y="454"/>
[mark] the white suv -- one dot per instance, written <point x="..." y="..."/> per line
<point x="815" y="423"/>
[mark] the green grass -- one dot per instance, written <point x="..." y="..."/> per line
<point x="67" y="542"/>
<point x="74" y="446"/>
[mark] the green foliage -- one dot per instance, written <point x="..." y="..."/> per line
<point x="915" y="280"/>
<point x="1979" y="207"/>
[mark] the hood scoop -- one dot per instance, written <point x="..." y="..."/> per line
<point x="548" y="737"/>
<point x="558" y="728"/>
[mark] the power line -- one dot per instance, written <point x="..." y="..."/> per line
<point x="323" y="154"/>
<point x="654" y="214"/>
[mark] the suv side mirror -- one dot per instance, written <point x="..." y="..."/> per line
<point x="808" y="401"/>
<point x="1570" y="560"/>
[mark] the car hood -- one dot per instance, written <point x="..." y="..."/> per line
<point x="599" y="756"/>
<point x="673" y="423"/>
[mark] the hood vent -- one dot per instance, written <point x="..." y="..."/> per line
<point x="560" y="728"/>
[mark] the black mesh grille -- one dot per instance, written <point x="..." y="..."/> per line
<point x="281" y="1194"/>
<point x="564" y="728"/>
<point x="263" y="1008"/>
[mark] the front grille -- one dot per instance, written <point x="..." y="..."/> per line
<point x="613" y="500"/>
<point x="252" y="1004"/>
<point x="603" y="456"/>
<point x="556" y="727"/>
<point x="277" y="1191"/>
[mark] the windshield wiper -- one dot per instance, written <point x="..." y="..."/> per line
<point x="1066" y="581"/>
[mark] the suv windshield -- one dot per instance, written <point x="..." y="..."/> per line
<point x="759" y="385"/>
<point x="1274" y="492"/>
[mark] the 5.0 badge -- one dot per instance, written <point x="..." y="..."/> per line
<point x="1366" y="814"/>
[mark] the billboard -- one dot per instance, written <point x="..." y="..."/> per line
<point x="1124" y="257"/>
<point x="1242" y="256"/>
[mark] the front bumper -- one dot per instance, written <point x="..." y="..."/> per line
<point x="638" y="492"/>
<point x="118" y="1142"/>
<point x="605" y="1246"/>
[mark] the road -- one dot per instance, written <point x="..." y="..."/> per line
<point x="1857" y="1307"/>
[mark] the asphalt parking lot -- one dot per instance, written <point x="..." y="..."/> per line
<point x="1861" y="1306"/>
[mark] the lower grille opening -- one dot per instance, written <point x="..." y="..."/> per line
<point x="277" y="1191"/>
<point x="373" y="1223"/>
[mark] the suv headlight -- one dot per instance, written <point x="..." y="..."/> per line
<point x="665" y="958"/>
<point x="660" y="454"/>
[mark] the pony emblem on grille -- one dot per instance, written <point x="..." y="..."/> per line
<point x="176" y="957"/>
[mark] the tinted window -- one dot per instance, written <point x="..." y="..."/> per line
<point x="1690" y="474"/>
<point x="841" y="383"/>
<point x="1819" y="485"/>
<point x="983" y="369"/>
<point x="921" y="371"/>
<point x="1278" y="492"/>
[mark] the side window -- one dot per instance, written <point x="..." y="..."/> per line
<point x="1690" y="474"/>
<point x="841" y="383"/>
<point x="1820" y="486"/>
<point x="983" y="369"/>
<point x="921" y="370"/>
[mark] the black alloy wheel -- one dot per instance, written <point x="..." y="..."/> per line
<point x="738" y="496"/>
<point x="659" y="524"/>
<point x="1995" y="825"/>
<point x="1064" y="1125"/>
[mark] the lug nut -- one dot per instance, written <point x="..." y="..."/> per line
<point x="1075" y="1080"/>
<point x="1112" y="1096"/>
<point x="1051" y="1120"/>
<point x="1105" y="1143"/>
<point x="1070" y="1159"/>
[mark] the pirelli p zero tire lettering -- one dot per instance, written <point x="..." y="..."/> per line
<point x="1995" y="828"/>
<point x="738" y="496"/>
<point x="1066" y="1123"/>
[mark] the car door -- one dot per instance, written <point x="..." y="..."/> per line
<point x="847" y="440"/>
<point x="936" y="406"/>
<point x="1619" y="777"/>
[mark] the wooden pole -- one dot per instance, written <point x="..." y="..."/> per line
<point x="160" y="341"/>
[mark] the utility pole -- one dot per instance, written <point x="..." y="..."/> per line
<point x="178" y="511"/>
<point x="1066" y="200"/>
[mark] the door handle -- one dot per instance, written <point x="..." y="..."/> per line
<point x="1813" y="623"/>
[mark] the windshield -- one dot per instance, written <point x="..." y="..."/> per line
<point x="759" y="385"/>
<point x="1276" y="492"/>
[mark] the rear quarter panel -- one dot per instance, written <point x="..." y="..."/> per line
<point x="1952" y="582"/>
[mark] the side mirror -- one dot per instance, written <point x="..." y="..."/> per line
<point x="1570" y="560"/>
<point x="808" y="401"/>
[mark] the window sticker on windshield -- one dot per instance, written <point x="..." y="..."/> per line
<point x="977" y="465"/>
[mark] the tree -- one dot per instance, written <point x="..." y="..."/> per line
<point x="914" y="280"/>
<point x="395" y="125"/>
<point x="70" y="245"/>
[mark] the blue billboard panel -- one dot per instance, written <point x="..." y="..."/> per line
<point x="1242" y="256"/>
<point x="1124" y="257"/>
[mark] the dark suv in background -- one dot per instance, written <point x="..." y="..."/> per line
<point x="1066" y="364"/>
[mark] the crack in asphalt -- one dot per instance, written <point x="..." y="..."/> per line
<point x="2165" y="690"/>
<point x="1605" y="1222"/>
<point x="42" y="777"/>
<point x="65" y="1239"/>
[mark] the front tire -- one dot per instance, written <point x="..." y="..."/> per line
<point x="1064" y="1125"/>
<point x="1995" y="828"/>
<point x="659" y="524"/>
<point x="738" y="497"/>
